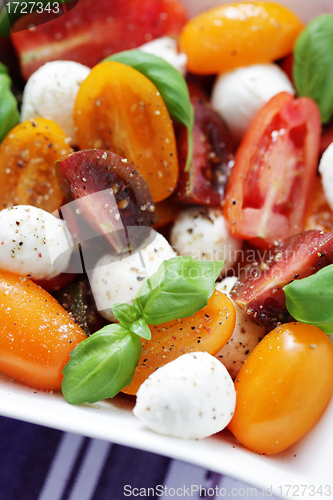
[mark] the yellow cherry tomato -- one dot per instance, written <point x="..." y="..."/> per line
<point x="283" y="388"/>
<point x="119" y="109"/>
<point x="239" y="34"/>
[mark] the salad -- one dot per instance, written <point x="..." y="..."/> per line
<point x="135" y="146"/>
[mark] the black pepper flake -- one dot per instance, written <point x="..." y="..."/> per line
<point x="192" y="327"/>
<point x="21" y="243"/>
<point x="17" y="223"/>
<point x="140" y="278"/>
<point x="70" y="341"/>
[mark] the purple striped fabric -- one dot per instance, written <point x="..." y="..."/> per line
<point x="38" y="463"/>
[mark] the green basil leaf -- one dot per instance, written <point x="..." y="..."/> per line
<point x="170" y="84"/>
<point x="126" y="314"/>
<point x="141" y="329"/>
<point x="102" y="365"/>
<point x="12" y="13"/>
<point x="310" y="300"/>
<point x="313" y="64"/>
<point x="3" y="69"/>
<point x="180" y="287"/>
<point x="9" y="114"/>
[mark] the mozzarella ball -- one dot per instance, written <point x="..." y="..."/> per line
<point x="326" y="171"/>
<point x="238" y="95"/>
<point x="191" y="397"/>
<point x="51" y="91"/>
<point x="33" y="243"/>
<point x="244" y="338"/>
<point x="201" y="233"/>
<point x="118" y="279"/>
<point x="167" y="48"/>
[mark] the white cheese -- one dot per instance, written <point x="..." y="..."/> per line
<point x="51" y="91"/>
<point x="33" y="243"/>
<point x="238" y="95"/>
<point x="326" y="171"/>
<point x="117" y="280"/>
<point x="245" y="337"/>
<point x="191" y="397"/>
<point x="167" y="48"/>
<point x="201" y="233"/>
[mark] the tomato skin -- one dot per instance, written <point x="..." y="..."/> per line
<point x="208" y="330"/>
<point x="36" y="333"/>
<point x="213" y="156"/>
<point x="238" y="34"/>
<point x="319" y="214"/>
<point x="275" y="167"/>
<point x="119" y="109"/>
<point x="283" y="388"/>
<point x="94" y="30"/>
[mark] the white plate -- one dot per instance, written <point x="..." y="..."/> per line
<point x="308" y="463"/>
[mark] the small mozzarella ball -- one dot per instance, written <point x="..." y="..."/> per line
<point x="191" y="397"/>
<point x="51" y="91"/>
<point x="166" y="48"/>
<point x="118" y="279"/>
<point x="33" y="243"/>
<point x="239" y="94"/>
<point x="244" y="338"/>
<point x="326" y="171"/>
<point x="201" y="233"/>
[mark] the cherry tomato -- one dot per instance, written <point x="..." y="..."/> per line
<point x="207" y="331"/>
<point x="94" y="30"/>
<point x="36" y="333"/>
<point x="213" y="157"/>
<point x="283" y="388"/>
<point x="238" y="34"/>
<point x="319" y="214"/>
<point x="119" y="109"/>
<point x="275" y="167"/>
<point x="27" y="156"/>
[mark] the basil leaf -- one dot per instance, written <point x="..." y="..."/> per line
<point x="3" y="69"/>
<point x="101" y="366"/>
<point x="11" y="14"/>
<point x="141" y="329"/>
<point x="313" y="64"/>
<point x="310" y="300"/>
<point x="180" y="287"/>
<point x="170" y="84"/>
<point x="126" y="314"/>
<point x="9" y="114"/>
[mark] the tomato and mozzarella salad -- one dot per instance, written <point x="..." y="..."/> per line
<point x="166" y="214"/>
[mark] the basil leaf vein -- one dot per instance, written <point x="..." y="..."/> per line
<point x="313" y="64"/>
<point x="310" y="300"/>
<point x="101" y="366"/>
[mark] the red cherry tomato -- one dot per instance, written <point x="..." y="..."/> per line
<point x="283" y="388"/>
<point x="275" y="167"/>
<point x="94" y="30"/>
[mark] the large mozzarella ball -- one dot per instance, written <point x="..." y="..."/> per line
<point x="245" y="337"/>
<point x="326" y="171"/>
<point x="191" y="397"/>
<point x="33" y="242"/>
<point x="51" y="92"/>
<point x="238" y="95"/>
<point x="167" y="48"/>
<point x="201" y="233"/>
<point x="117" y="280"/>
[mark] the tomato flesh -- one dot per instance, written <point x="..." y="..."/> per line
<point x="283" y="388"/>
<point x="275" y="167"/>
<point x="94" y="30"/>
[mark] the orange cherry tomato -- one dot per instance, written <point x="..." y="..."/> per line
<point x="27" y="156"/>
<point x="207" y="331"/>
<point x="119" y="109"/>
<point x="319" y="214"/>
<point x="283" y="388"/>
<point x="36" y="333"/>
<point x="238" y="34"/>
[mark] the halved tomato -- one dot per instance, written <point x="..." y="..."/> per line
<point x="275" y="167"/>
